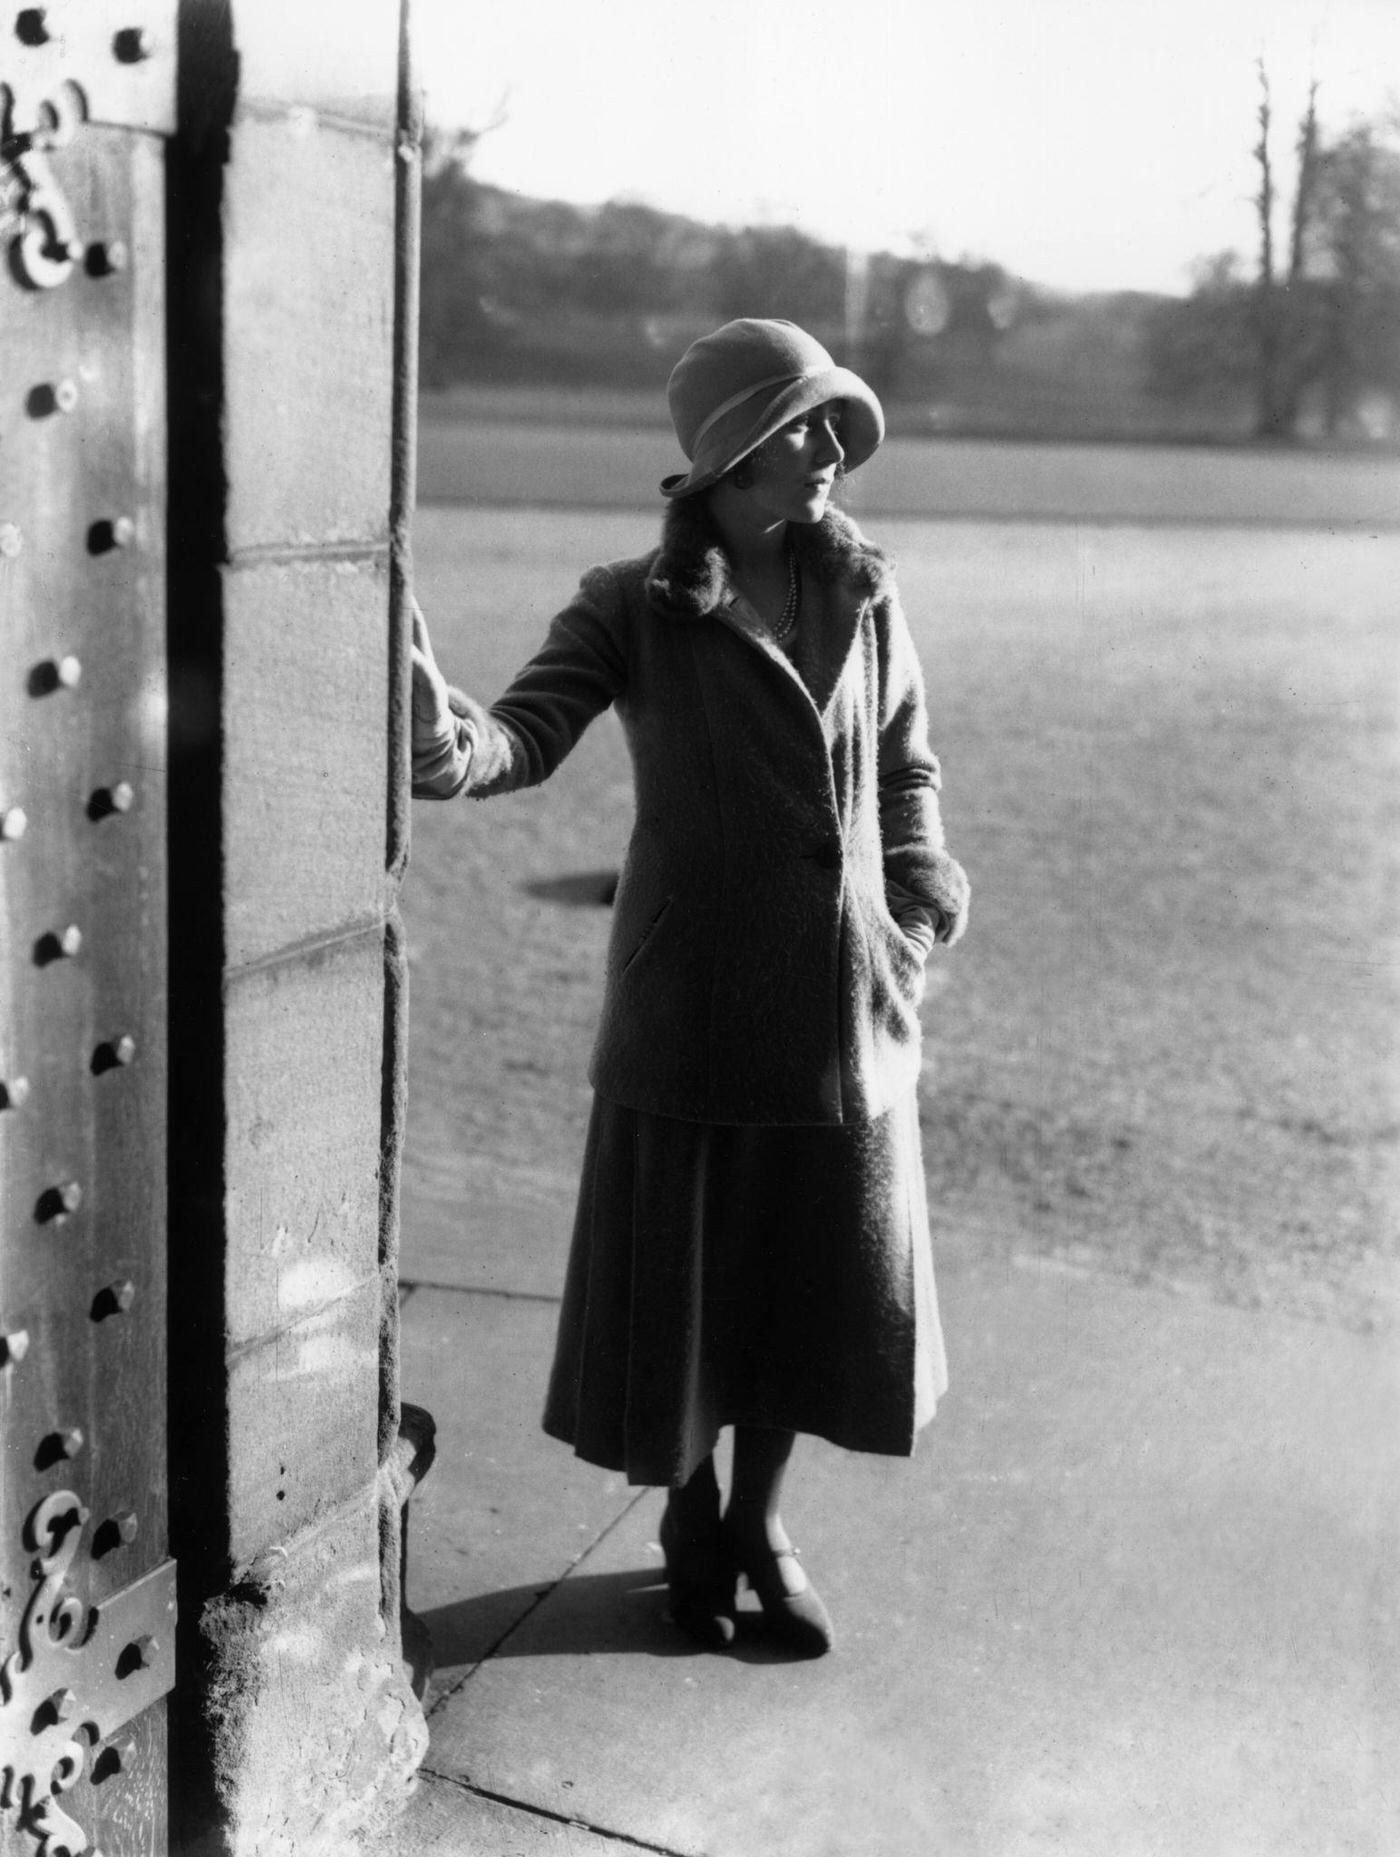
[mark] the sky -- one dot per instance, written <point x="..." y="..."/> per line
<point x="1084" y="144"/>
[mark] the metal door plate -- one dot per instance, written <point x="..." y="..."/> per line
<point x="120" y="58"/>
<point x="67" y="63"/>
<point x="81" y="1673"/>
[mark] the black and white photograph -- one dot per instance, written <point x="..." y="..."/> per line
<point x="700" y="928"/>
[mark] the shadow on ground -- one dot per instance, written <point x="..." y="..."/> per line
<point x="580" y="889"/>
<point x="591" y="1614"/>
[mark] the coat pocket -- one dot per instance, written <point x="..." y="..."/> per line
<point x="905" y="964"/>
<point x="644" y="939"/>
<point x="906" y="951"/>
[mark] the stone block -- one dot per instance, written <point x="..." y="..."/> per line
<point x="303" y="1058"/>
<point x="320" y="1733"/>
<point x="288" y="59"/>
<point x="309" y="213"/>
<point x="306" y="668"/>
<point x="303" y="1421"/>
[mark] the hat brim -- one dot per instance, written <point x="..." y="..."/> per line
<point x="862" y="430"/>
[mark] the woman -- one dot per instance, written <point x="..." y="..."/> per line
<point x="751" y="1246"/>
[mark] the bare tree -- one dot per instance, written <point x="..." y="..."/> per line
<point x="1281" y="319"/>
<point x="1306" y="190"/>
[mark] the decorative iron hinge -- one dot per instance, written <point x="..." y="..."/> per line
<point x="46" y="246"/>
<point x="81" y="1673"/>
<point x="62" y="64"/>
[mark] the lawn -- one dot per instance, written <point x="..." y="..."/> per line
<point x="546" y="448"/>
<point x="1166" y="1049"/>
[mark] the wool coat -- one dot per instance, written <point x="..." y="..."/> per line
<point x="755" y="973"/>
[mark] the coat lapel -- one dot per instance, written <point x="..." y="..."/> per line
<point x="735" y="612"/>
<point x="831" y="619"/>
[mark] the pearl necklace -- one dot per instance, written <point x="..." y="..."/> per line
<point x="787" y="619"/>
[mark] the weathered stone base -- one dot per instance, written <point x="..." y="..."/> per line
<point x="307" y="1766"/>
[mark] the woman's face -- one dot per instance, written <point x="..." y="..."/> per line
<point x="793" y="472"/>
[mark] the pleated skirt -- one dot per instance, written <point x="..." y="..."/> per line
<point x="745" y="1276"/>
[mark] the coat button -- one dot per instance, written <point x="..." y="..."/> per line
<point x="827" y="855"/>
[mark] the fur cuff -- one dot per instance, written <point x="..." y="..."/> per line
<point x="466" y="707"/>
<point x="493" y="747"/>
<point x="940" y="881"/>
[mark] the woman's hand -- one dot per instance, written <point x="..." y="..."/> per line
<point x="433" y="724"/>
<point x="442" y="747"/>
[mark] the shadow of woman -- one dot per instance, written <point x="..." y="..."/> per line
<point x="581" y="1615"/>
<point x="579" y="889"/>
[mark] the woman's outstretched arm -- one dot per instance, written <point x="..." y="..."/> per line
<point x="461" y="746"/>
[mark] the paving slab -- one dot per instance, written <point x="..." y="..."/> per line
<point x="1135" y="1594"/>
<point x="505" y="1511"/>
<point x="443" y="1819"/>
<point x="483" y="1241"/>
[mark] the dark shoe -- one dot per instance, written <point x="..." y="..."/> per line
<point x="700" y="1579"/>
<point x="800" y="1620"/>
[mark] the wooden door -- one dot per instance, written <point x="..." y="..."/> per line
<point x="87" y="1591"/>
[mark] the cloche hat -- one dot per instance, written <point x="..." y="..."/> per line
<point x="732" y="390"/>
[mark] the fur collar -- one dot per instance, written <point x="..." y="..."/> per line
<point x="689" y="574"/>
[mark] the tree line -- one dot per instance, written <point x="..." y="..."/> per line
<point x="1302" y="334"/>
<point x="512" y="285"/>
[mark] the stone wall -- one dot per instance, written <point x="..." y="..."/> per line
<point x="293" y="228"/>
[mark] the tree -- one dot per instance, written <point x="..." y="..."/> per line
<point x="1358" y="187"/>
<point x="623" y="270"/>
<point x="1284" y="322"/>
<point x="454" y="318"/>
<point x="1202" y="347"/>
<point x="778" y="271"/>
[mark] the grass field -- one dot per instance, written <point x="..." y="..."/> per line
<point x="590" y="450"/>
<point x="1166" y="1049"/>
